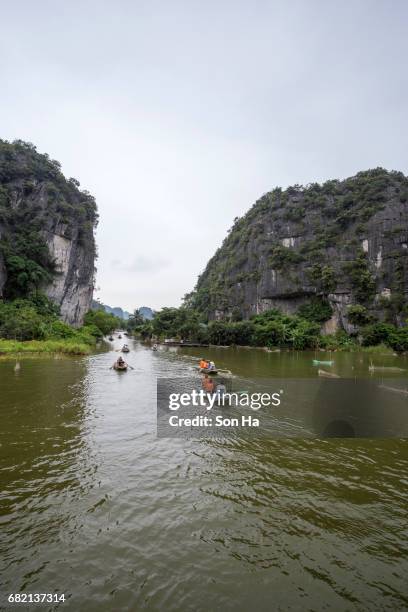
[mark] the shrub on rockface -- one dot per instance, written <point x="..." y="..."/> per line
<point x="316" y="310"/>
<point x="21" y="320"/>
<point x="376" y="334"/>
<point x="398" y="339"/>
<point x="273" y="328"/>
<point x="270" y="333"/>
<point x="338" y="341"/>
<point x="227" y="333"/>
<point x="358" y="315"/>
<point x="36" y="318"/>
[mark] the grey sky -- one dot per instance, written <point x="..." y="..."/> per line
<point x="177" y="116"/>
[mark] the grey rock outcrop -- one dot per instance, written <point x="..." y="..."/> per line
<point x="346" y="241"/>
<point x="35" y="196"/>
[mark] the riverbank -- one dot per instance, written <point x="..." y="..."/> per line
<point x="67" y="347"/>
<point x="351" y="347"/>
<point x="378" y="349"/>
<point x="275" y="330"/>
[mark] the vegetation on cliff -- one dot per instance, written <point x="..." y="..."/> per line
<point x="35" y="198"/>
<point x="340" y="239"/>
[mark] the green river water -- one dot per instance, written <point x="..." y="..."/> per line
<point x="95" y="506"/>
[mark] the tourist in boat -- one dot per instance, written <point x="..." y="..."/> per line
<point x="203" y="364"/>
<point x="208" y="384"/>
<point x="120" y="364"/>
<point x="220" y="390"/>
<point x="211" y="366"/>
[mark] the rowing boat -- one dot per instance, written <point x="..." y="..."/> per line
<point x="373" y="368"/>
<point x="207" y="371"/>
<point x="326" y="363"/>
<point x="325" y="374"/>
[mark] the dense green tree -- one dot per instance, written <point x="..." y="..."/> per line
<point x="102" y="320"/>
<point x="135" y="322"/>
<point x="176" y="322"/>
<point x="20" y="320"/>
<point x="358" y="315"/>
<point x="376" y="334"/>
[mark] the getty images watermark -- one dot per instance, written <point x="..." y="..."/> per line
<point x="283" y="408"/>
<point x="220" y="399"/>
<point x="182" y="409"/>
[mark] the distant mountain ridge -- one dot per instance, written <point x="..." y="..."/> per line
<point x="146" y="312"/>
<point x="116" y="310"/>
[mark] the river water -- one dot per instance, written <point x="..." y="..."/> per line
<point x="95" y="506"/>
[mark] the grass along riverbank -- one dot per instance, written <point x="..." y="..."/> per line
<point x="33" y="326"/>
<point x="67" y="347"/>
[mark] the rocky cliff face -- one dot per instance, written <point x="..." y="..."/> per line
<point x="46" y="231"/>
<point x="344" y="241"/>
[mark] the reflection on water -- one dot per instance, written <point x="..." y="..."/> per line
<point x="94" y="505"/>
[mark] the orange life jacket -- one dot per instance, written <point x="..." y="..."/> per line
<point x="208" y="385"/>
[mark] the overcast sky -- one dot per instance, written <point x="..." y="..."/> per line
<point x="178" y="115"/>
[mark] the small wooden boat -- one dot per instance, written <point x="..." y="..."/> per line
<point x="374" y="368"/>
<point x="120" y="367"/>
<point x="325" y="374"/>
<point x="125" y="349"/>
<point x="326" y="363"/>
<point x="207" y="371"/>
<point x="394" y="389"/>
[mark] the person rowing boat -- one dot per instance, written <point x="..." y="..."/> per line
<point x="121" y="365"/>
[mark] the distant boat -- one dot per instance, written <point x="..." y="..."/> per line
<point x="120" y="337"/>
<point x="326" y="363"/>
<point x="394" y="389"/>
<point x="374" y="368"/>
<point x="325" y="374"/>
<point x="111" y="338"/>
<point x="125" y="348"/>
